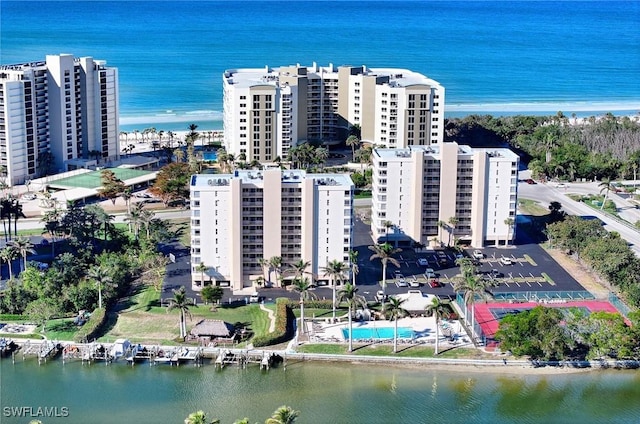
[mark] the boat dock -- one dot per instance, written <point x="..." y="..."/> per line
<point x="43" y="351"/>
<point x="154" y="355"/>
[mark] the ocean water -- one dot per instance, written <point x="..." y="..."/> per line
<point x="498" y="57"/>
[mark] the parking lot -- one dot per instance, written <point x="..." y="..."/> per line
<point x="528" y="268"/>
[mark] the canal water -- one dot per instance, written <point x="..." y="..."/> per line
<point x="322" y="392"/>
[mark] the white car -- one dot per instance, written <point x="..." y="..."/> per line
<point x="423" y="262"/>
<point x="562" y="185"/>
<point x="414" y="283"/>
<point x="506" y="261"/>
<point x="380" y="296"/>
<point x="29" y="196"/>
<point x="429" y="273"/>
<point x="478" y="254"/>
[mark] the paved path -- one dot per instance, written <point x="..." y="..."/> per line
<point x="272" y="318"/>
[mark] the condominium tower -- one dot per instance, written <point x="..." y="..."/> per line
<point x="444" y="192"/>
<point x="239" y="219"/>
<point x="54" y="112"/>
<point x="269" y="110"/>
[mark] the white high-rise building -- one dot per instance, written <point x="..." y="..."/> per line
<point x="54" y="112"/>
<point x="238" y="219"/>
<point x="269" y="110"/>
<point x="444" y="192"/>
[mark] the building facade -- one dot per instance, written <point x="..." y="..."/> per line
<point x="269" y="110"/>
<point x="442" y="193"/>
<point x="239" y="219"/>
<point x="55" y="112"/>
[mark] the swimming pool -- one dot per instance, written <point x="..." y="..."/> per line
<point x="378" y="333"/>
<point x="210" y="156"/>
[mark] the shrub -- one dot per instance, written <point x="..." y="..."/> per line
<point x="91" y="328"/>
<point x="312" y="304"/>
<point x="12" y="317"/>
<point x="284" y="327"/>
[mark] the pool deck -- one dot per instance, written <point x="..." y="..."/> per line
<point x="424" y="328"/>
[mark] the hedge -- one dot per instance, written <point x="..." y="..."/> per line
<point x="90" y="329"/>
<point x="13" y="317"/>
<point x="312" y="304"/>
<point x="284" y="326"/>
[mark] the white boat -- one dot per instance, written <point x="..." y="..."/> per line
<point x="120" y="348"/>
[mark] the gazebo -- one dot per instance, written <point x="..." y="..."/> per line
<point x="213" y="329"/>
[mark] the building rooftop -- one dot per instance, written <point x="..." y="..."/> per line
<point x="257" y="177"/>
<point x="250" y="77"/>
<point x="434" y="150"/>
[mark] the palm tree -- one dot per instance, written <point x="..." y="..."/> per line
<point x="335" y="270"/>
<point x="199" y="417"/>
<point x="453" y="221"/>
<point x="509" y="222"/>
<point x="605" y="186"/>
<point x="8" y="254"/>
<point x="471" y="285"/>
<point x="283" y="415"/>
<point x="385" y="253"/>
<point x="134" y="218"/>
<point x="299" y="268"/>
<point x="439" y="311"/>
<point x="202" y="268"/>
<point x="102" y="279"/>
<point x="264" y="264"/>
<point x="23" y="246"/>
<point x="353" y="142"/>
<point x="442" y="225"/>
<point x="395" y="312"/>
<point x="387" y="225"/>
<point x="353" y="260"/>
<point x="349" y="294"/>
<point x="181" y="302"/>
<point x="275" y="263"/>
<point x="51" y="220"/>
<point x="146" y="218"/>
<point x="303" y="286"/>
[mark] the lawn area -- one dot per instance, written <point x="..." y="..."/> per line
<point x="531" y="207"/>
<point x="145" y="321"/>
<point x="61" y="329"/>
<point x="404" y="351"/>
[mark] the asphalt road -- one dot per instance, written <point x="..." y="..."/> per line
<point x="548" y="192"/>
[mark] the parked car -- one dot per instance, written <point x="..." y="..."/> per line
<point x="529" y="181"/>
<point x="429" y="273"/>
<point x="434" y="284"/>
<point x="414" y="283"/>
<point x="562" y="185"/>
<point x="401" y="282"/>
<point x="441" y="254"/>
<point x="380" y="296"/>
<point x="29" y="196"/>
<point x="477" y="254"/>
<point x="423" y="262"/>
<point x="506" y="261"/>
<point x="496" y="274"/>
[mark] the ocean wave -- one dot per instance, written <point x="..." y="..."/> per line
<point x="172" y="117"/>
<point x="549" y="107"/>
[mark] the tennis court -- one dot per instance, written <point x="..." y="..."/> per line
<point x="488" y="315"/>
<point x="92" y="179"/>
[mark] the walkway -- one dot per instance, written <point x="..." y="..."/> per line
<point x="272" y="318"/>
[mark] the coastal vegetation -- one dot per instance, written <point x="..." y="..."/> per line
<point x="558" y="147"/>
<point x="282" y="415"/>
<point x="605" y="252"/>
<point x="556" y="334"/>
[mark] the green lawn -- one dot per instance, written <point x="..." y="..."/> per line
<point x="532" y="207"/>
<point x="61" y="329"/>
<point x="144" y="320"/>
<point x="404" y="351"/>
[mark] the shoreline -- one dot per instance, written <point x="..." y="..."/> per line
<point x="477" y="366"/>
